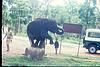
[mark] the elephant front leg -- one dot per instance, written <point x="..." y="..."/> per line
<point x="50" y="38"/>
<point x="46" y="35"/>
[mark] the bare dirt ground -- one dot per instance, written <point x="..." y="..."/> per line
<point x="19" y="44"/>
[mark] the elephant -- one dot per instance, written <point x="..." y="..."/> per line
<point x="37" y="31"/>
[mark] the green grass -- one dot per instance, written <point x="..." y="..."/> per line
<point x="51" y="60"/>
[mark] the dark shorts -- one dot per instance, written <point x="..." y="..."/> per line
<point x="56" y="44"/>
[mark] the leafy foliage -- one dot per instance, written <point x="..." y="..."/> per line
<point x="20" y="12"/>
<point x="87" y="15"/>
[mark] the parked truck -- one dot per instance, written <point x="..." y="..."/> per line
<point x="91" y="40"/>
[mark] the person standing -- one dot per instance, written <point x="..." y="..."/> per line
<point x="9" y="38"/>
<point x="56" y="44"/>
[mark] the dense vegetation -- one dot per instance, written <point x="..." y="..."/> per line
<point x="18" y="13"/>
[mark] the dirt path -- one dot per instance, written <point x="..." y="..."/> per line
<point x="19" y="44"/>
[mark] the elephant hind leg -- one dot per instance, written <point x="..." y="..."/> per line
<point x="36" y="43"/>
<point x="42" y="44"/>
<point x="31" y="41"/>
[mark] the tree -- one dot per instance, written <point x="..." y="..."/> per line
<point x="5" y="14"/>
<point x="87" y="15"/>
<point x="19" y="13"/>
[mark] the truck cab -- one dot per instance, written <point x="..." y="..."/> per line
<point x="91" y="40"/>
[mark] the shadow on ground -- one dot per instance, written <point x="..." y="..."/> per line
<point x="96" y="54"/>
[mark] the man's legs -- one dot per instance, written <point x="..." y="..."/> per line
<point x="7" y="44"/>
<point x="7" y="47"/>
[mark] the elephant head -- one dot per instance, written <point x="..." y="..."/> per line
<point x="52" y="27"/>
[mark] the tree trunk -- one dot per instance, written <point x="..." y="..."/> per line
<point x="16" y="28"/>
<point x="19" y="25"/>
<point x="34" y="53"/>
